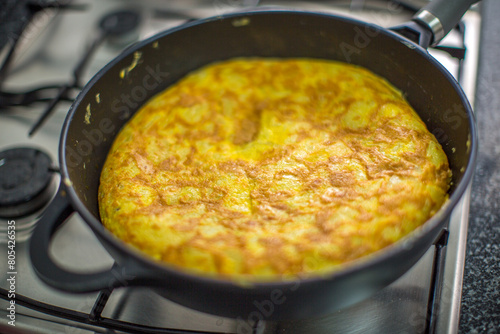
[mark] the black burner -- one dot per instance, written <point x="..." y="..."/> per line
<point x="25" y="181"/>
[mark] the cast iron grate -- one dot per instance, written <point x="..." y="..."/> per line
<point x="94" y="317"/>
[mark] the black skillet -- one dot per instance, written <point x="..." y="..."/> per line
<point x="116" y="92"/>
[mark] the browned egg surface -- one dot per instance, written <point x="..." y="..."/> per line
<point x="267" y="168"/>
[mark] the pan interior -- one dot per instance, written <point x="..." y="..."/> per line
<point x="115" y="93"/>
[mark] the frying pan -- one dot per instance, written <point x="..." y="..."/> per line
<point x="109" y="100"/>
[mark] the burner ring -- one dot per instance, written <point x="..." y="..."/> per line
<point x="25" y="181"/>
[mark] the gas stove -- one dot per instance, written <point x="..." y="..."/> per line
<point x="49" y="55"/>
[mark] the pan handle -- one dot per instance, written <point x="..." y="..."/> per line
<point x="434" y="21"/>
<point x="440" y="16"/>
<point x="48" y="271"/>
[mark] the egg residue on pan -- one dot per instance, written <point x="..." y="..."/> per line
<point x="271" y="168"/>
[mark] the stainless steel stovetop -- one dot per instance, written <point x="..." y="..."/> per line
<point x="48" y="53"/>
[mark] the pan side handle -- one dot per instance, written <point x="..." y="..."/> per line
<point x="434" y="21"/>
<point x="48" y="271"/>
<point x="440" y="16"/>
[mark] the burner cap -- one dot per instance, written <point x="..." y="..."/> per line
<point x="25" y="179"/>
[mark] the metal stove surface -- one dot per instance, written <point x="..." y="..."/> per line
<point x="49" y="53"/>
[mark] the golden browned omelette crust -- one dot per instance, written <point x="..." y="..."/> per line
<point x="267" y="168"/>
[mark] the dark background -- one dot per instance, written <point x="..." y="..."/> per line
<point x="480" y="311"/>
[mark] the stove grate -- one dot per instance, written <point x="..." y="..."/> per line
<point x="94" y="318"/>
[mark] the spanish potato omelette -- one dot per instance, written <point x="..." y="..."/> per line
<point x="272" y="168"/>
